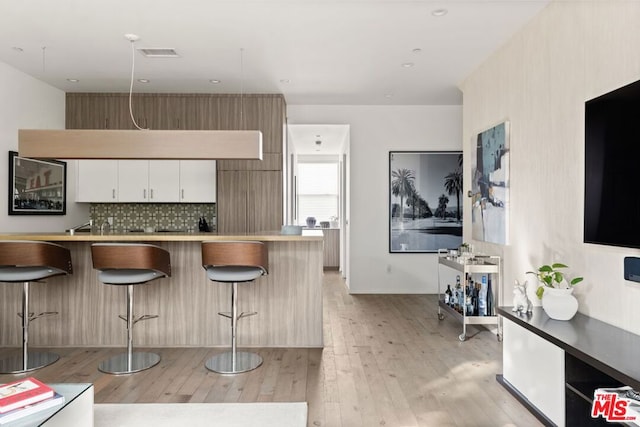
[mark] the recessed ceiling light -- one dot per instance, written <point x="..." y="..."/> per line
<point x="144" y="80"/>
<point x="73" y="80"/>
<point x="439" y="12"/>
<point x="17" y="49"/>
<point x="417" y="50"/>
<point x="408" y="64"/>
<point x="285" y="81"/>
<point x="214" y="81"/>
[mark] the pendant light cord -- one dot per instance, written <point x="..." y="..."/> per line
<point x="133" y="66"/>
<point x="242" y="88"/>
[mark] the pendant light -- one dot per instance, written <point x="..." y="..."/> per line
<point x="141" y="143"/>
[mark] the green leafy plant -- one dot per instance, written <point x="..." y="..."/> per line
<point x="551" y="276"/>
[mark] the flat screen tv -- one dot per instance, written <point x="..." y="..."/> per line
<point x="612" y="168"/>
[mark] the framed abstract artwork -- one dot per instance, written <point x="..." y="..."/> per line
<point x="425" y="201"/>
<point x="490" y="185"/>
<point x="37" y="187"/>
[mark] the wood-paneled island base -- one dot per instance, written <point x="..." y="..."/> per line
<point x="288" y="300"/>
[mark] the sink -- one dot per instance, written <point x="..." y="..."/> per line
<point x="80" y="230"/>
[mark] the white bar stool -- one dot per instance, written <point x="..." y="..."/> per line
<point x="24" y="262"/>
<point x="130" y="264"/>
<point x="234" y="262"/>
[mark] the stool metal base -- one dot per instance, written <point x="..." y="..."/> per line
<point x="35" y="360"/>
<point x="121" y="364"/>
<point x="223" y="363"/>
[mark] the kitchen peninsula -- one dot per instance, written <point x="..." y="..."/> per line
<point x="288" y="300"/>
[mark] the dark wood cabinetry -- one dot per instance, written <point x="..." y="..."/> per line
<point x="254" y="201"/>
<point x="249" y="191"/>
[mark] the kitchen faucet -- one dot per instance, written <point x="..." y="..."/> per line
<point x="105" y="224"/>
<point x="78" y="227"/>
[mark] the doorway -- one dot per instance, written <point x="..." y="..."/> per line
<point x="317" y="183"/>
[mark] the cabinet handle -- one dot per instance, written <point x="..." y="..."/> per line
<point x="151" y="193"/>
<point x="177" y="123"/>
<point x="144" y="193"/>
<point x="113" y="193"/>
<point x="106" y="123"/>
<point x="182" y="194"/>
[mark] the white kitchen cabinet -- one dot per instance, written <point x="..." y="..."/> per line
<point x="146" y="181"/>
<point x="133" y="180"/>
<point x="155" y="181"/>
<point x="97" y="181"/>
<point x="164" y="181"/>
<point x="197" y="181"/>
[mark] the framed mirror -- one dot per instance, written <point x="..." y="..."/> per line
<point x="37" y="187"/>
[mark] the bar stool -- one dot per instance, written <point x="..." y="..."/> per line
<point x="130" y="264"/>
<point x="234" y="262"/>
<point x="24" y="262"/>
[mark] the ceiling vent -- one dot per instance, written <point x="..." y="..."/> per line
<point x="159" y="52"/>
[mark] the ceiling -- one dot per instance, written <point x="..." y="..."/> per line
<point x="347" y="52"/>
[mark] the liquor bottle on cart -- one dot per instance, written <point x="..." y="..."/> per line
<point x="447" y="295"/>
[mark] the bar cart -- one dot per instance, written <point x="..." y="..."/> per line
<point x="470" y="265"/>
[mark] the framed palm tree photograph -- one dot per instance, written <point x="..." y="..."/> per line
<point x="425" y="201"/>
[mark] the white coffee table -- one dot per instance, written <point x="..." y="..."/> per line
<point x="77" y="409"/>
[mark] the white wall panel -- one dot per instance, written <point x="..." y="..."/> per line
<point x="374" y="131"/>
<point x="27" y="103"/>
<point x="571" y="52"/>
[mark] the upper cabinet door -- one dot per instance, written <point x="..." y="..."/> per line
<point x="164" y="181"/>
<point x="97" y="181"/>
<point x="97" y="111"/>
<point x="133" y="180"/>
<point x="198" y="181"/>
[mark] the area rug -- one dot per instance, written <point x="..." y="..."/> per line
<point x="262" y="414"/>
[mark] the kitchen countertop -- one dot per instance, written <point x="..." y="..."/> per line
<point x="265" y="236"/>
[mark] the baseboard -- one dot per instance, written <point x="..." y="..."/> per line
<point x="524" y="401"/>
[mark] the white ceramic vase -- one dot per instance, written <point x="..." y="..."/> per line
<point x="559" y="304"/>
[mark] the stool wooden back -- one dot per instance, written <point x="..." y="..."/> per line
<point x="29" y="253"/>
<point x="130" y="256"/>
<point x="236" y="254"/>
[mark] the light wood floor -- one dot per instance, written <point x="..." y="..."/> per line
<point x="387" y="361"/>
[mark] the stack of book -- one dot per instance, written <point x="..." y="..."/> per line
<point x="25" y="397"/>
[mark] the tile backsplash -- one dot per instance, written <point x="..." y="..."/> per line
<point x="167" y="216"/>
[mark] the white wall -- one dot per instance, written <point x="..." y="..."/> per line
<point x="376" y="130"/>
<point x="27" y="103"/>
<point x="571" y="52"/>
